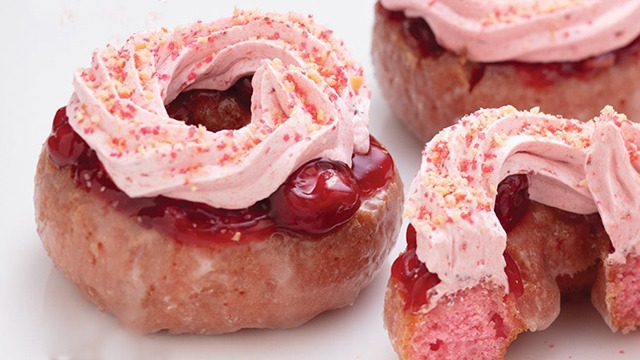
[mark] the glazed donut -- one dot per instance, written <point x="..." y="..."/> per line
<point x="509" y="210"/>
<point x="434" y="65"/>
<point x="219" y="176"/>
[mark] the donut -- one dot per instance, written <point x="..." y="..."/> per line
<point x="436" y="61"/>
<point x="510" y="210"/>
<point x="218" y="176"/>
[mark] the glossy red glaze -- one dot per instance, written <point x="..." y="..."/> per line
<point x="334" y="197"/>
<point x="513" y="276"/>
<point x="412" y="243"/>
<point x="512" y="200"/>
<point x="374" y="169"/>
<point x="419" y="35"/>
<point x="59" y="119"/>
<point x="65" y="146"/>
<point x="199" y="223"/>
<point x="316" y="198"/>
<point x="413" y="274"/>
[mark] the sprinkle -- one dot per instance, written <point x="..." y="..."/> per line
<point x="356" y="82"/>
<point x="131" y="84"/>
<point x="499" y="139"/>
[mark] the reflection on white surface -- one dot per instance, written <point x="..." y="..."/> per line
<point x="578" y="333"/>
<point x="75" y="329"/>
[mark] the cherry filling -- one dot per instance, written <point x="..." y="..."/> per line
<point x="419" y="35"/>
<point x="413" y="274"/>
<point x="512" y="202"/>
<point x="317" y="198"/>
<point x="65" y="146"/>
<point x="374" y="169"/>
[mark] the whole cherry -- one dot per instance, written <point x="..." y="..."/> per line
<point x="65" y="145"/>
<point x="319" y="196"/>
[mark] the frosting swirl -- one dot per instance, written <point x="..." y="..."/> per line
<point x="529" y="31"/>
<point x="577" y="167"/>
<point x="310" y="100"/>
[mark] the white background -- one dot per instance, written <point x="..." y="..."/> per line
<point x="43" y="317"/>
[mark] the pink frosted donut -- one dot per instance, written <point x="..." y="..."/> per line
<point x="217" y="177"/>
<point x="509" y="210"/>
<point x="436" y="61"/>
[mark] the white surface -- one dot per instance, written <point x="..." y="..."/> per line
<point x="43" y="317"/>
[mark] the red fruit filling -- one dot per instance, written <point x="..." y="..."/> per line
<point x="413" y="274"/>
<point x="498" y="325"/>
<point x="436" y="345"/>
<point x="512" y="202"/>
<point x="419" y="35"/>
<point x="65" y="146"/>
<point x="317" y="198"/>
<point x="513" y="276"/>
<point x="374" y="169"/>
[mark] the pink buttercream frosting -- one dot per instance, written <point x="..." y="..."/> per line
<point x="310" y="100"/>
<point x="527" y="30"/>
<point x="581" y="167"/>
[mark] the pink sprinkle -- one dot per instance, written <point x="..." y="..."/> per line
<point x="487" y="169"/>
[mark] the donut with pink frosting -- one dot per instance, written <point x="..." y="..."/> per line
<point x="439" y="60"/>
<point x="509" y="210"/>
<point x="218" y="176"/>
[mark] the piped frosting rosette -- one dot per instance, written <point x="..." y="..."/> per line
<point x="580" y="167"/>
<point x="310" y="100"/>
<point x="527" y="30"/>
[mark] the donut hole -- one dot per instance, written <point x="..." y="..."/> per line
<point x="216" y="110"/>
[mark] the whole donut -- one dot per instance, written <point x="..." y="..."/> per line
<point x="118" y="175"/>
